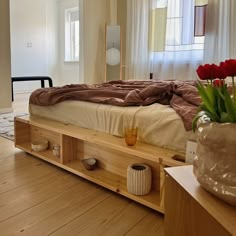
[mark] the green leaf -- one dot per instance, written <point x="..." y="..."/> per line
<point x="230" y="107"/>
<point x="219" y="102"/>
<point x="211" y="94"/>
<point x="208" y="98"/>
<point x="213" y="117"/>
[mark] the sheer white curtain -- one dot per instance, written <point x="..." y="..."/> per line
<point x="161" y="40"/>
<point x="137" y="34"/>
<point x="220" y="39"/>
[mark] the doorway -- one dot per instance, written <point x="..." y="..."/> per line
<point x="38" y="42"/>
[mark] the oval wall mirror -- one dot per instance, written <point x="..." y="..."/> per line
<point x="113" y="53"/>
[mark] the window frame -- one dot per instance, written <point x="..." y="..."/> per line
<point x="70" y="46"/>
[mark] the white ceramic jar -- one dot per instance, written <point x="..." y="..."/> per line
<point x="139" y="179"/>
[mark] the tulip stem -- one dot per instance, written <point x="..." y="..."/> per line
<point x="234" y="92"/>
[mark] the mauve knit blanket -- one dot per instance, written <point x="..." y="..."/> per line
<point x="182" y="96"/>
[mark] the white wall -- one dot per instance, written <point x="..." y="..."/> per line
<point x="34" y="41"/>
<point x="49" y="39"/>
<point x="52" y="40"/>
<point x="5" y="65"/>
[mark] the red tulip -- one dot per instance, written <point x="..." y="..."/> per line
<point x="218" y="72"/>
<point x="204" y="72"/>
<point x="211" y="72"/>
<point x="218" y="83"/>
<point x="229" y="67"/>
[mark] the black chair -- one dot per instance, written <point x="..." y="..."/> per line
<point x="31" y="78"/>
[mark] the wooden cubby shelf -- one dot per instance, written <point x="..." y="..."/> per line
<point x="45" y="155"/>
<point x="111" y="152"/>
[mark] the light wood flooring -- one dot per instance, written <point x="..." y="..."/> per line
<point x="37" y="198"/>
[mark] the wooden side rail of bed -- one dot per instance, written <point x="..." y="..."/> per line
<point x="113" y="156"/>
<point x="31" y="78"/>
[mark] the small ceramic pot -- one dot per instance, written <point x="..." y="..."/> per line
<point x="39" y="145"/>
<point x="89" y="163"/>
<point x="139" y="179"/>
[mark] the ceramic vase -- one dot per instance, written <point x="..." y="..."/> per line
<point x="215" y="163"/>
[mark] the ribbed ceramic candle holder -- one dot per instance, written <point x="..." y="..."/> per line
<point x="139" y="179"/>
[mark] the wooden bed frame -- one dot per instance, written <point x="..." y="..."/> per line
<point x="112" y="153"/>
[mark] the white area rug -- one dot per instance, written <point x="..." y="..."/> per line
<point x="7" y="124"/>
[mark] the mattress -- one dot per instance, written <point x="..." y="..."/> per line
<point x="157" y="124"/>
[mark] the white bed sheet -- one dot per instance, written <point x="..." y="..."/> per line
<point x="157" y="124"/>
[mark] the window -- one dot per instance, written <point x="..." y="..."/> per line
<point x="180" y="27"/>
<point x="177" y="26"/>
<point x="72" y="34"/>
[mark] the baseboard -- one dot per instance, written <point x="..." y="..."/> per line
<point x="6" y="110"/>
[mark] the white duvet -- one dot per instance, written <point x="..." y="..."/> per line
<point x="157" y="124"/>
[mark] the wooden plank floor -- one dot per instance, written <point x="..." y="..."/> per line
<point x="37" y="198"/>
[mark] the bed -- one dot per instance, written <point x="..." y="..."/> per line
<point x="89" y="121"/>
<point x="162" y="110"/>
